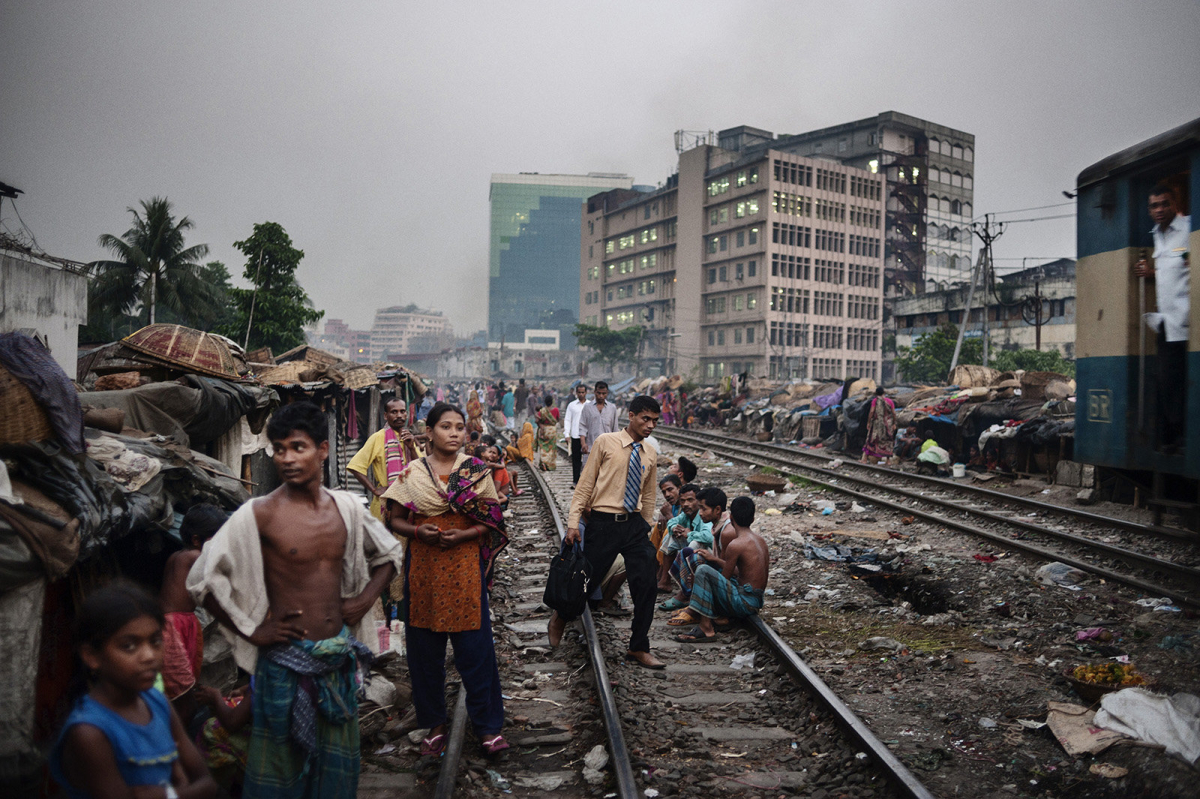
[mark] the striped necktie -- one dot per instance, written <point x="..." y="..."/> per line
<point x="633" y="479"/>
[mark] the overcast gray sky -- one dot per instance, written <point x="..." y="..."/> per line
<point x="370" y="130"/>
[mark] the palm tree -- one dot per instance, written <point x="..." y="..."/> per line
<point x="152" y="266"/>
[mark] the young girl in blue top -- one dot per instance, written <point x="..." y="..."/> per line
<point x="123" y="739"/>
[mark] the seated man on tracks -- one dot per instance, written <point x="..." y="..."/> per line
<point x="712" y="513"/>
<point x="731" y="585"/>
<point x="681" y="530"/>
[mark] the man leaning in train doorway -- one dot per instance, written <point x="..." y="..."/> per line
<point x="1170" y="273"/>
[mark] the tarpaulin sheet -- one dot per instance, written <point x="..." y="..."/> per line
<point x="106" y="512"/>
<point x="193" y="414"/>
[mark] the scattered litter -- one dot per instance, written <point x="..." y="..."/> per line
<point x="768" y="592"/>
<point x="1003" y="644"/>
<point x="1073" y="726"/>
<point x="823" y="504"/>
<point x="986" y="558"/>
<point x="544" y="782"/>
<point x="1178" y="643"/>
<point x="856" y="508"/>
<point x="386" y="749"/>
<point x="880" y="642"/>
<point x="987" y="724"/>
<point x="651" y="792"/>
<point x="860" y="756"/>
<point x="769" y="493"/>
<point x="772" y="512"/>
<point x="835" y="463"/>
<point x="1108" y="770"/>
<point x="1060" y="574"/>
<point x="1155" y="604"/>
<point x="1094" y="634"/>
<point x="743" y="662"/>
<point x="1168" y="609"/>
<point x="1170" y="721"/>
<point x="827" y="512"/>
<point x="416" y="736"/>
<point x="498" y="781"/>
<point x="821" y="593"/>
<point x="1030" y="724"/>
<point x="908" y="520"/>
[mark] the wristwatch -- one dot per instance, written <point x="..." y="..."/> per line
<point x="171" y="792"/>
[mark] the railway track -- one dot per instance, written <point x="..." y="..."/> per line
<point x="700" y="727"/>
<point x="1094" y="543"/>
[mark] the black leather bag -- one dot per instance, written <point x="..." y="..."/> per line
<point x="566" y="586"/>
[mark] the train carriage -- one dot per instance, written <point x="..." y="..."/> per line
<point x="1116" y="416"/>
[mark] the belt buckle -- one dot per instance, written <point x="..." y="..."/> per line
<point x="620" y="517"/>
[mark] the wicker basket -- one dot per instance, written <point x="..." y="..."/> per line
<point x="23" y="419"/>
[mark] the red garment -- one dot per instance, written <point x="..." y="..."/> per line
<point x="183" y="653"/>
<point x="501" y="478"/>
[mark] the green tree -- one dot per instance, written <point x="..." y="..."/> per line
<point x="610" y="347"/>
<point x="152" y="267"/>
<point x="928" y="360"/>
<point x="1034" y="361"/>
<point x="274" y="312"/>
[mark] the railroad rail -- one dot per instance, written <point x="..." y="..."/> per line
<point x="816" y="708"/>
<point x="878" y="482"/>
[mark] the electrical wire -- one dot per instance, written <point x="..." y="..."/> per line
<point x="13" y="203"/>
<point x="1034" y="208"/>
<point x="1035" y="219"/>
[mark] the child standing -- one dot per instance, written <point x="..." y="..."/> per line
<point x="122" y="738"/>
<point x="183" y="640"/>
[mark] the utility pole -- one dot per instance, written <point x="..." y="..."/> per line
<point x="966" y="318"/>
<point x="987" y="231"/>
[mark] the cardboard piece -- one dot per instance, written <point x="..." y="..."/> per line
<point x="1074" y="727"/>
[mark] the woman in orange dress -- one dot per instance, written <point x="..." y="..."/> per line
<point x="446" y="505"/>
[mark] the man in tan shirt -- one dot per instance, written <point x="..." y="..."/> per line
<point x="615" y="495"/>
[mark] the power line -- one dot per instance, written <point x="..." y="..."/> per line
<point x="1034" y="208"/>
<point x="1039" y="218"/>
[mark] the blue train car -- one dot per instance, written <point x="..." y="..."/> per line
<point x="1117" y="412"/>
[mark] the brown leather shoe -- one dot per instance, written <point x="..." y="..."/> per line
<point x="645" y="659"/>
<point x="554" y="629"/>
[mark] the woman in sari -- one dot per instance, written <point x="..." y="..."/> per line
<point x="523" y="449"/>
<point x="474" y="414"/>
<point x="547" y="435"/>
<point x="446" y="505"/>
<point x="881" y="428"/>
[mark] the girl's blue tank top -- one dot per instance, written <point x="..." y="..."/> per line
<point x="144" y="752"/>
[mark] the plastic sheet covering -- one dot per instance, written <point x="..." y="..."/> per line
<point x="193" y="414"/>
<point x="105" y="511"/>
<point x="854" y="421"/>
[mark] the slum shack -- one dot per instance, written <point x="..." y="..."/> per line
<point x="93" y="486"/>
<point x="1019" y="423"/>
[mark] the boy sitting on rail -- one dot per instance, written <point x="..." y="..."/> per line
<point x="685" y="529"/>
<point x="736" y="590"/>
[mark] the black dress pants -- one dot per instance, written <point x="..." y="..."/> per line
<point x="1172" y="390"/>
<point x="576" y="459"/>
<point x="603" y="539"/>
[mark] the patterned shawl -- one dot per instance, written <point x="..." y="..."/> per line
<point x="396" y="454"/>
<point x="469" y="491"/>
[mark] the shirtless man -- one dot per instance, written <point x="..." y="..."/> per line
<point x="183" y="640"/>
<point x="736" y="590"/>
<point x="291" y="573"/>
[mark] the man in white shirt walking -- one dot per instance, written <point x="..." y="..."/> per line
<point x="571" y="429"/>
<point x="597" y="418"/>
<point x="1171" y="287"/>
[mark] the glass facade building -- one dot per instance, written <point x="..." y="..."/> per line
<point x="533" y="279"/>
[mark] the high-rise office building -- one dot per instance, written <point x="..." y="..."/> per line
<point x="749" y="259"/>
<point x="533" y="279"/>
<point x="930" y="191"/>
